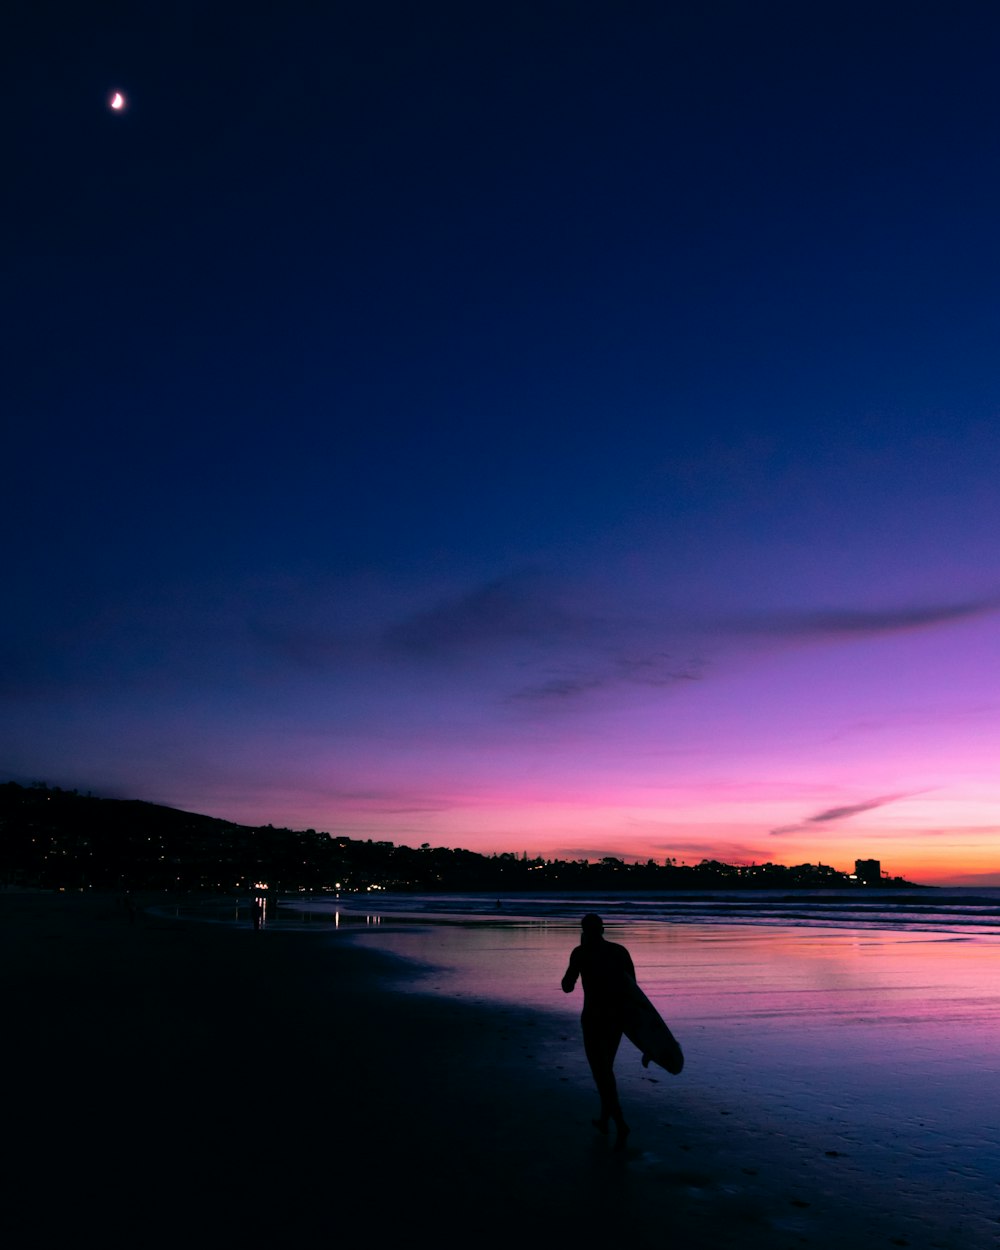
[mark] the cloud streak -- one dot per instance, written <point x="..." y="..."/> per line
<point x="542" y="641"/>
<point x="834" y="814"/>
<point x="499" y="613"/>
<point x="539" y="626"/>
<point x="856" y="623"/>
<point x="657" y="671"/>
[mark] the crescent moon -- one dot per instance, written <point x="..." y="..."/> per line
<point x="117" y="101"/>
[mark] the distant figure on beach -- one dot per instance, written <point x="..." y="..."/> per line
<point x="603" y="967"/>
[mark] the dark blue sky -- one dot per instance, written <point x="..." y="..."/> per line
<point x="381" y="363"/>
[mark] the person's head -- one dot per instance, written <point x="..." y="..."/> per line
<point x="591" y="926"/>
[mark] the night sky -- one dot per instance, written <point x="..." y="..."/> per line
<point x="569" y="428"/>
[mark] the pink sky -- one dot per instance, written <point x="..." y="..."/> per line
<point x="820" y="738"/>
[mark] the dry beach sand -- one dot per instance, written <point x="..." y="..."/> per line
<point x="174" y="1083"/>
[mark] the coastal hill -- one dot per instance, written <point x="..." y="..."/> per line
<point x="60" y="839"/>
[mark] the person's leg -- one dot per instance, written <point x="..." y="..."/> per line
<point x="601" y="1039"/>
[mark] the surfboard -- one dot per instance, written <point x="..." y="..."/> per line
<point x="646" y="1029"/>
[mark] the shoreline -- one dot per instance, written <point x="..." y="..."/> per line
<point x="175" y="1080"/>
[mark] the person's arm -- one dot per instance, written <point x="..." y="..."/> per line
<point x="571" y="973"/>
<point x="629" y="965"/>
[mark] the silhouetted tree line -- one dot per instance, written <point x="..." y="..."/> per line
<point x="61" y="839"/>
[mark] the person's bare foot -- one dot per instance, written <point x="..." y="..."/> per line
<point x="600" y="1125"/>
<point x="622" y="1136"/>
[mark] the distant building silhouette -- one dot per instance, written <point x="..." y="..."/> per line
<point x="868" y="871"/>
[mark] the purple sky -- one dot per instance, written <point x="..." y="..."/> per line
<point x="570" y="429"/>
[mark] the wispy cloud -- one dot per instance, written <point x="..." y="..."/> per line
<point x="507" y="610"/>
<point x="591" y="853"/>
<point x="858" y="623"/>
<point x="656" y="671"/>
<point x="559" y="644"/>
<point x="833" y="814"/>
<point x="545" y="609"/>
<point x="541" y="640"/>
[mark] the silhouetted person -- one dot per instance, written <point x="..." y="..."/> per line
<point x="603" y="967"/>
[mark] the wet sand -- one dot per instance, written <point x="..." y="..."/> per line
<point x="180" y="1083"/>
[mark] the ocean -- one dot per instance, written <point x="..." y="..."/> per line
<point x="876" y="982"/>
<point x="958" y="911"/>
<point x="907" y="958"/>
<point x="863" y="1025"/>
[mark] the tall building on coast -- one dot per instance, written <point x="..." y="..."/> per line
<point x="868" y="871"/>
